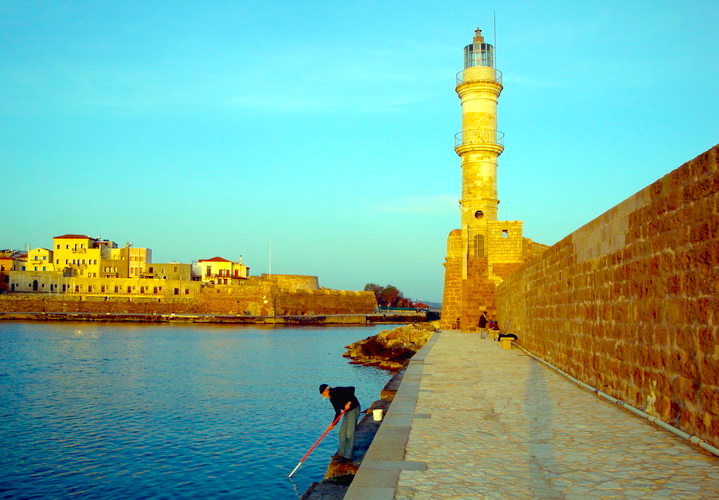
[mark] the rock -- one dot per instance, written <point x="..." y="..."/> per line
<point x="391" y="349"/>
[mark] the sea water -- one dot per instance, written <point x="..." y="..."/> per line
<point x="118" y="410"/>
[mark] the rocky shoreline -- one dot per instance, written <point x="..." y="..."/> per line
<point x="391" y="349"/>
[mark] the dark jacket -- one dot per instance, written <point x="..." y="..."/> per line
<point x="339" y="397"/>
<point x="483" y="321"/>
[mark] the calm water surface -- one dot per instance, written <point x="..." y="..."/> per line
<point x="168" y="411"/>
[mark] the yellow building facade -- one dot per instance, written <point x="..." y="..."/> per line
<point x="80" y="255"/>
<point x="39" y="259"/>
<point x="484" y="250"/>
<point x="86" y="266"/>
<point x="220" y="271"/>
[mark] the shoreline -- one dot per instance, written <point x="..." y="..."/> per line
<point x="310" y="320"/>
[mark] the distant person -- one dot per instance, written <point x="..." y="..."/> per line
<point x="343" y="398"/>
<point x="493" y="329"/>
<point x="483" y="325"/>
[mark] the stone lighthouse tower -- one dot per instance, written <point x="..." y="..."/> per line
<point x="479" y="143"/>
<point x="484" y="250"/>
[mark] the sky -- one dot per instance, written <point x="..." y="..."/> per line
<point x="317" y="137"/>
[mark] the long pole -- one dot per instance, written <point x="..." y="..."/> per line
<point x="318" y="442"/>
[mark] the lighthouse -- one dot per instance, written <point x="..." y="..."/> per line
<point x="484" y="250"/>
<point x="479" y="144"/>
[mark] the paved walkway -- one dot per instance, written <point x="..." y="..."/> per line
<point x="471" y="420"/>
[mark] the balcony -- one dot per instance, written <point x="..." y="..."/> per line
<point x="479" y="74"/>
<point x="481" y="137"/>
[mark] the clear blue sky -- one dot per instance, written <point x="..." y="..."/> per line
<point x="210" y="128"/>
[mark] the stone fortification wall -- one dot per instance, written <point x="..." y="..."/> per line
<point x="629" y="303"/>
<point x="263" y="300"/>
<point x="293" y="281"/>
<point x="325" y="301"/>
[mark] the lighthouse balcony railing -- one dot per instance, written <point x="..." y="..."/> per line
<point x="481" y="136"/>
<point x="479" y="74"/>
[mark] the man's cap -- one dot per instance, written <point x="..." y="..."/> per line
<point x="323" y="387"/>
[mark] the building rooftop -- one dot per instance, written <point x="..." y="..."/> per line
<point x="214" y="259"/>
<point x="72" y="237"/>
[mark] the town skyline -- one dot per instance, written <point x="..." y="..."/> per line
<point x="326" y="132"/>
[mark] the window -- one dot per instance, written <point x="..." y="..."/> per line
<point x="187" y="291"/>
<point x="505" y="233"/>
<point x="177" y="291"/>
<point x="479" y="245"/>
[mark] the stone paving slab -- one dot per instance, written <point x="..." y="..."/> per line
<point x="505" y="426"/>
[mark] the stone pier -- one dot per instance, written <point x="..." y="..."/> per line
<point x="471" y="420"/>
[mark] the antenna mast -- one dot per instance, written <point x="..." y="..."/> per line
<point x="494" y="15"/>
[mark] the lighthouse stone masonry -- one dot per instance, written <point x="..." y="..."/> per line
<point x="484" y="251"/>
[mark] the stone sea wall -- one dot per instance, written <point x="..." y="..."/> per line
<point x="629" y="303"/>
<point x="251" y="301"/>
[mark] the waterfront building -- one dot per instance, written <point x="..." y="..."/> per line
<point x="94" y="276"/>
<point x="80" y="255"/>
<point x="130" y="261"/>
<point x="8" y="262"/>
<point x="484" y="250"/>
<point x="80" y="265"/>
<point x="39" y="259"/>
<point x="220" y="271"/>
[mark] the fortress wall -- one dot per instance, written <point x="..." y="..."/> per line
<point x="325" y="302"/>
<point x="254" y="301"/>
<point x="629" y="303"/>
<point x="293" y="281"/>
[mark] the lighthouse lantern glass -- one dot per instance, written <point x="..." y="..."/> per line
<point x="478" y="54"/>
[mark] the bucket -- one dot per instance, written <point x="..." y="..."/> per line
<point x="506" y="343"/>
<point x="377" y="415"/>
